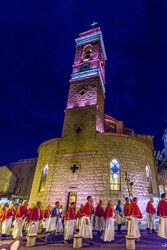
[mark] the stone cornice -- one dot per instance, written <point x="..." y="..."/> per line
<point x="128" y="136"/>
<point x="76" y="154"/>
<point x="46" y="142"/>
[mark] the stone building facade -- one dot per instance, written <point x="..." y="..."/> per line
<point x="95" y="150"/>
<point x="24" y="171"/>
<point x="7" y="184"/>
<point x="161" y="160"/>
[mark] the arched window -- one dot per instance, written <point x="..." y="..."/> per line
<point x="149" y="182"/>
<point x="87" y="52"/>
<point x="43" y="178"/>
<point x="114" y="175"/>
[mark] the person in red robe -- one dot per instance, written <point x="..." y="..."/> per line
<point x="2" y="210"/>
<point x="27" y="219"/>
<point x="35" y="218"/>
<point x="162" y="213"/>
<point x="19" y="216"/>
<point x="108" y="234"/>
<point x="45" y="215"/>
<point x="79" y="216"/>
<point x="86" y="227"/>
<point x="126" y="211"/>
<point x="7" y="220"/>
<point x="150" y="210"/>
<point x="99" y="218"/>
<point x="135" y="213"/>
<point x="69" y="224"/>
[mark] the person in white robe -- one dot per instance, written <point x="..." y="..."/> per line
<point x="135" y="214"/>
<point x="86" y="226"/>
<point x="7" y="220"/>
<point x="99" y="218"/>
<point x="162" y="213"/>
<point x="79" y="216"/>
<point x="69" y="223"/>
<point x="19" y="220"/>
<point x="35" y="218"/>
<point x="2" y="210"/>
<point x="53" y="223"/>
<point x="108" y="234"/>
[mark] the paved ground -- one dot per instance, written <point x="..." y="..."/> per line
<point x="149" y="242"/>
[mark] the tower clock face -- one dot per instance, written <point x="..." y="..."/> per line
<point x="85" y="66"/>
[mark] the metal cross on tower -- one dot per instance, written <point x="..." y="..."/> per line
<point x="93" y="24"/>
<point x="74" y="168"/>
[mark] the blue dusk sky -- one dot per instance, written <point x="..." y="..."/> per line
<point x="37" y="50"/>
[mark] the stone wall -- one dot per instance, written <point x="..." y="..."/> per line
<point x="24" y="171"/>
<point x="93" y="176"/>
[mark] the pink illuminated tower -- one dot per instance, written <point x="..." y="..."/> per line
<point x="85" y="105"/>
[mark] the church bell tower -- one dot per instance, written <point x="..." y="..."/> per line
<point x="84" y="114"/>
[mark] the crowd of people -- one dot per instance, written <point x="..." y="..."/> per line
<point x="84" y="221"/>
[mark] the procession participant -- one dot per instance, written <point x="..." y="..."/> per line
<point x="133" y="228"/>
<point x="27" y="219"/>
<point x="20" y="215"/>
<point x="108" y="234"/>
<point x="61" y="209"/>
<point x="126" y="211"/>
<point x="150" y="215"/>
<point x="119" y="216"/>
<point x="53" y="223"/>
<point x="7" y="220"/>
<point x="99" y="218"/>
<point x="35" y="218"/>
<point x="45" y="215"/>
<point x="15" y="207"/>
<point x="60" y="218"/>
<point x="2" y="210"/>
<point x="86" y="228"/>
<point x="69" y="223"/>
<point x="162" y="212"/>
<point x="79" y="216"/>
<point x="92" y="216"/>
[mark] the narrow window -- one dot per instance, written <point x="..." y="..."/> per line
<point x="43" y="178"/>
<point x="115" y="175"/>
<point x="149" y="182"/>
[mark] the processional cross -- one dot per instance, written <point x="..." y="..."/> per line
<point x="93" y="24"/>
<point x="129" y="186"/>
<point x="74" y="168"/>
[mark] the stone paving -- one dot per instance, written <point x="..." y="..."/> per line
<point x="148" y="241"/>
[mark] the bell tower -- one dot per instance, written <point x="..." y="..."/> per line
<point x="84" y="115"/>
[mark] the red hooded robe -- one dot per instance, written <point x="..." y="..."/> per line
<point x="99" y="211"/>
<point x="108" y="212"/>
<point x="21" y="211"/>
<point x="134" y="210"/>
<point x="87" y="209"/>
<point x="126" y="208"/>
<point x="46" y="213"/>
<point x="80" y="213"/>
<point x="70" y="215"/>
<point x="7" y="214"/>
<point x="150" y="208"/>
<point x="36" y="215"/>
<point x="162" y="209"/>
